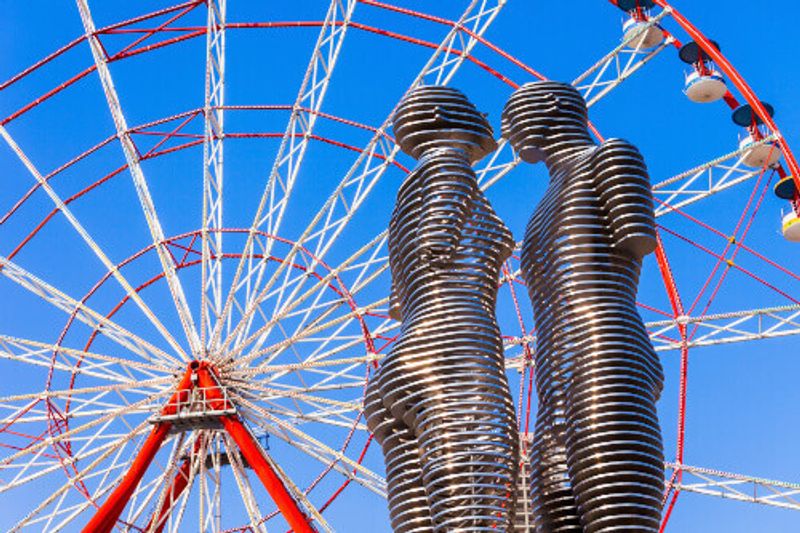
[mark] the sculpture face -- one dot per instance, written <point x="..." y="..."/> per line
<point x="537" y="113"/>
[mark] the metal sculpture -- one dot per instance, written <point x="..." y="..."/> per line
<point x="440" y="404"/>
<point x="597" y="460"/>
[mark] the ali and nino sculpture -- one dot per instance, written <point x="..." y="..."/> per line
<point x="597" y="462"/>
<point x="440" y="404"/>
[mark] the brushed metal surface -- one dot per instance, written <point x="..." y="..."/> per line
<point x="440" y="404"/>
<point x="597" y="459"/>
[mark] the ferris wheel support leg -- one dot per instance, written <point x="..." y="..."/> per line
<point x="107" y="515"/>
<point x="254" y="455"/>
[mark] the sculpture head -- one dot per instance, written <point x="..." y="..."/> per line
<point x="436" y="116"/>
<point x="540" y="117"/>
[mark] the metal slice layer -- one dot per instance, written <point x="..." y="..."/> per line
<point x="440" y="405"/>
<point x="597" y="462"/>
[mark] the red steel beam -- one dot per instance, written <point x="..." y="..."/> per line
<point x="107" y="515"/>
<point x="740" y="83"/>
<point x="254" y="455"/>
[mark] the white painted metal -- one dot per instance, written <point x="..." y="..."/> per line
<point x="737" y="487"/>
<point x="213" y="138"/>
<point x="135" y="169"/>
<point x="706" y="180"/>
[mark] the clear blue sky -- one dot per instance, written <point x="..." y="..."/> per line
<point x="742" y="398"/>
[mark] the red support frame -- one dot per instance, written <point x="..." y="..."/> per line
<point x="202" y="375"/>
<point x="107" y="515"/>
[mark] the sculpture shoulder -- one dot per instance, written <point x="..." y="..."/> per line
<point x="617" y="151"/>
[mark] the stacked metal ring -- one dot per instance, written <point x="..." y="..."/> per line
<point x="444" y="380"/>
<point x="597" y="462"/>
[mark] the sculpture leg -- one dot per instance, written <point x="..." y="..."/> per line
<point x="408" y="502"/>
<point x="614" y="448"/>
<point x="468" y="462"/>
<point x="552" y="501"/>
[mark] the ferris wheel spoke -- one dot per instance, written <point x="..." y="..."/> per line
<point x="36" y="352"/>
<point x="101" y="255"/>
<point x="264" y="393"/>
<point x="311" y="365"/>
<point x="43" y="357"/>
<point x="134" y="167"/>
<point x="299" y="496"/>
<point x="317" y="450"/>
<point x="153" y="491"/>
<point x="724" y="328"/>
<point x="707" y="179"/>
<point x="213" y="149"/>
<point x="97" y="421"/>
<point x="291" y="152"/>
<point x="276" y="348"/>
<point x="318" y="359"/>
<point x="379" y="154"/>
<point x="245" y="487"/>
<point x="239" y="337"/>
<point x="75" y="395"/>
<point x="736" y="486"/>
<point x="619" y="64"/>
<point x="83" y="313"/>
<point x="87" y="470"/>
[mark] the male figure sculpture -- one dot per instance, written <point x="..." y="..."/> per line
<point x="597" y="460"/>
<point x="440" y="404"/>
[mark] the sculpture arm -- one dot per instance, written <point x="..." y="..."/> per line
<point x="447" y="192"/>
<point x="623" y="185"/>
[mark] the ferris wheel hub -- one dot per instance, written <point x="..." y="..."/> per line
<point x="198" y="407"/>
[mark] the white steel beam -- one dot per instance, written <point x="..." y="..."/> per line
<point x="291" y="153"/>
<point x="213" y="138"/>
<point x="619" y="64"/>
<point x="736" y="486"/>
<point x="140" y="183"/>
<point x="372" y="163"/>
<point x="725" y="328"/>
<point x="83" y="313"/>
<point x="78" y="227"/>
<point x="706" y="180"/>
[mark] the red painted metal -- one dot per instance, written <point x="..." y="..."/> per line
<point x="254" y="454"/>
<point x="202" y="375"/>
<point x="107" y="515"/>
<point x="740" y="83"/>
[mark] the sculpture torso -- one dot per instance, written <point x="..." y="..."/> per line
<point x="457" y="254"/>
<point x="574" y="272"/>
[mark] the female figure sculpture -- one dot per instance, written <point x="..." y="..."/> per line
<point x="440" y="404"/>
<point x="597" y="460"/>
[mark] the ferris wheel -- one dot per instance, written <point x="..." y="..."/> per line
<point x="193" y="264"/>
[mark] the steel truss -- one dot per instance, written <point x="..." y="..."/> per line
<point x="213" y="137"/>
<point x="144" y="374"/>
<point x="736" y="486"/>
<point x="362" y="176"/>
<point x="619" y="64"/>
<point x="135" y="169"/>
<point x="705" y="180"/>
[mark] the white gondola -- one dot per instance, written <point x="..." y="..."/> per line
<point x="791" y="226"/>
<point x="705" y="88"/>
<point x="759" y="155"/>
<point x="643" y="34"/>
